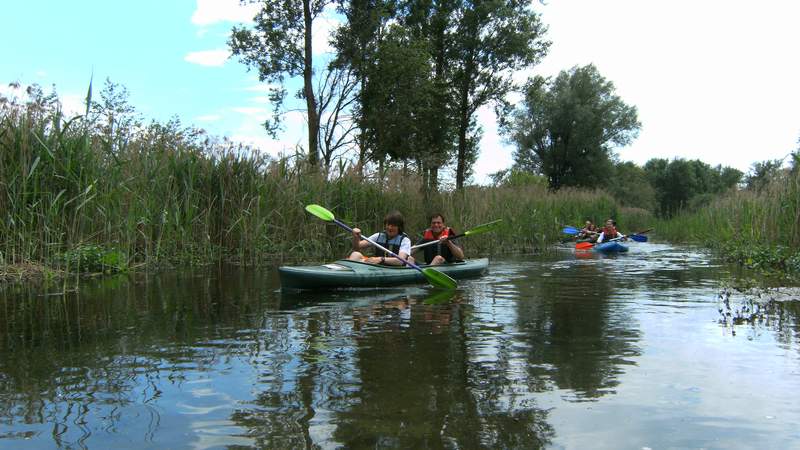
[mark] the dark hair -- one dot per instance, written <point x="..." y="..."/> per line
<point x="436" y="214"/>
<point x="395" y="218"/>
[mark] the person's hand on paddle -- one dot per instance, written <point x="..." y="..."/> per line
<point x="356" y="238"/>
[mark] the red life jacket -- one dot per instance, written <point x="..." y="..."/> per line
<point x="428" y="234"/>
<point x="609" y="233"/>
<point x="437" y="249"/>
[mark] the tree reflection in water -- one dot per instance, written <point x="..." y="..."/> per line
<point x="577" y="337"/>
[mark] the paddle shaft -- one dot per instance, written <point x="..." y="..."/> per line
<point x="379" y="246"/>
<point x="419" y="246"/>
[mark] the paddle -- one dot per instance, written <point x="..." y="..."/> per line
<point x="434" y="277"/>
<point x="570" y="230"/>
<point x="471" y="232"/>
<point x="639" y="236"/>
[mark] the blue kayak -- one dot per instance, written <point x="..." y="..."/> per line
<point x="610" y="247"/>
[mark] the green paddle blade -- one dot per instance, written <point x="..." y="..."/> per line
<point x="438" y="279"/>
<point x="320" y="212"/>
<point x="483" y="228"/>
<point x="439" y="298"/>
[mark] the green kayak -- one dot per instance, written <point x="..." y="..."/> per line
<point x="345" y="273"/>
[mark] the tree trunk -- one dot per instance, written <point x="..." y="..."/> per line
<point x="463" y="126"/>
<point x="463" y="121"/>
<point x="308" y="89"/>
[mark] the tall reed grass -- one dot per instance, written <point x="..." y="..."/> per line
<point x="767" y="216"/>
<point x="758" y="228"/>
<point x="169" y="194"/>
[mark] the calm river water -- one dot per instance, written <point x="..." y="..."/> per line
<point x="638" y="351"/>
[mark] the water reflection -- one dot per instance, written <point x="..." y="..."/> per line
<point x="222" y="358"/>
<point x="582" y="317"/>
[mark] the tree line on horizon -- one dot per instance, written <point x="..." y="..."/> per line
<point x="407" y="77"/>
<point x="405" y="80"/>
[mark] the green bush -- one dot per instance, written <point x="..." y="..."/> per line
<point x="94" y="259"/>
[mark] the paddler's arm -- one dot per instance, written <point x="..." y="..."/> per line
<point x="457" y="252"/>
<point x="358" y="242"/>
<point x="404" y="252"/>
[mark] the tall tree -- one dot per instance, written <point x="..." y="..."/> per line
<point x="337" y="94"/>
<point x="397" y="98"/>
<point x="280" y="46"/>
<point x="490" y="41"/>
<point x="680" y="183"/>
<point x="432" y="22"/>
<point x="762" y="173"/>
<point x="566" y="128"/>
<point x="630" y="186"/>
<point x="356" y="43"/>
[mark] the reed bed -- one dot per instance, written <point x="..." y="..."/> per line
<point x="164" y="194"/>
<point x="768" y="216"/>
<point x="759" y="229"/>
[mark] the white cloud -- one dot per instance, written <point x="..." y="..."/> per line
<point x="13" y="92"/>
<point x="494" y="156"/>
<point x="711" y="81"/>
<point x="264" y="87"/>
<point x="73" y="104"/>
<point x="257" y="88"/>
<point x="250" y="110"/>
<point x="322" y="29"/>
<point x="210" y="12"/>
<point x="211" y="58"/>
<point x="208" y="118"/>
<point x="251" y="131"/>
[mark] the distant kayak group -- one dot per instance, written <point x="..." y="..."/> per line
<point x="386" y="258"/>
<point x="606" y="239"/>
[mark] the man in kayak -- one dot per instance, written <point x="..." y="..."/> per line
<point x="609" y="232"/>
<point x="445" y="250"/>
<point x="392" y="237"/>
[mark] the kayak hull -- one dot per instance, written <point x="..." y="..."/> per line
<point x="610" y="247"/>
<point x="345" y="273"/>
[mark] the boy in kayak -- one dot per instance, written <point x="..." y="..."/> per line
<point x="588" y="232"/>
<point x="392" y="237"/>
<point x="609" y="232"/>
<point x="445" y="250"/>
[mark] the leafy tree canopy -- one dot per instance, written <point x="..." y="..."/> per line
<point x="678" y="182"/>
<point x="567" y="127"/>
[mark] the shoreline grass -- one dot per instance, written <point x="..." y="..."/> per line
<point x="78" y="198"/>
<point x="758" y="229"/>
<point x="75" y="199"/>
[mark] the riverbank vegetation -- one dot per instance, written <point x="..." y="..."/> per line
<point x="393" y="123"/>
<point x="104" y="192"/>
<point x="757" y="225"/>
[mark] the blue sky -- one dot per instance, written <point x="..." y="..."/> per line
<point x="714" y="80"/>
